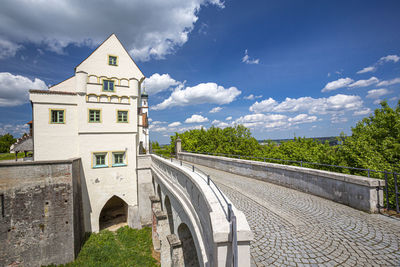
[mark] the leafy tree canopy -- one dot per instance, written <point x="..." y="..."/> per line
<point x="5" y="142"/>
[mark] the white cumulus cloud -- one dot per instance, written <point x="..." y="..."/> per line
<point x="174" y="124"/>
<point x="215" y="110"/>
<point x="364" y="83"/>
<point x="195" y="119"/>
<point x="381" y="61"/>
<point x="220" y="124"/>
<point x="228" y="118"/>
<point x="252" y="97"/>
<point x="149" y="29"/>
<point x="342" y="82"/>
<point x="389" y="82"/>
<point x="14" y="89"/>
<point x="311" y="105"/>
<point x="17" y="130"/>
<point x="362" y="112"/>
<point x="202" y="93"/>
<point x="157" y="83"/>
<point x="8" y="49"/>
<point x="246" y="59"/>
<point x="394" y="58"/>
<point x="376" y="93"/>
<point x="367" y="69"/>
<point x="273" y="121"/>
<point x="302" y="118"/>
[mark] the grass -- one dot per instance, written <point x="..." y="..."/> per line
<point x="8" y="156"/>
<point x="125" y="247"/>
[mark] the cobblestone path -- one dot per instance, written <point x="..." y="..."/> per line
<point x="292" y="228"/>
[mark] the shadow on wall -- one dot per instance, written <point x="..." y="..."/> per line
<point x="169" y="215"/>
<point x="114" y="212"/>
<point x="188" y="247"/>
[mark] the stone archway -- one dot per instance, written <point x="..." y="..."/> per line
<point x="168" y="209"/>
<point x="114" y="214"/>
<point x="160" y="196"/>
<point x="188" y="247"/>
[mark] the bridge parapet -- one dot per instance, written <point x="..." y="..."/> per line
<point x="190" y="200"/>
<point x="352" y="190"/>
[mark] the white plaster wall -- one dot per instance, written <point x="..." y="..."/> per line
<point x="66" y="86"/>
<point x="55" y="141"/>
<point x="108" y="118"/>
<point x="118" y="90"/>
<point x="103" y="183"/>
<point x="97" y="63"/>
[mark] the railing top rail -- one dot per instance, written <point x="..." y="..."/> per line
<point x="294" y="161"/>
<point x="229" y="212"/>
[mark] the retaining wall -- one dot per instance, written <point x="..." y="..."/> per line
<point x="355" y="191"/>
<point x="41" y="220"/>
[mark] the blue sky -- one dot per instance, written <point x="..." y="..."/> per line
<point x="281" y="68"/>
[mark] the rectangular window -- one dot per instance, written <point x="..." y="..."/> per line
<point x="112" y="60"/>
<point x="99" y="160"/>
<point x="118" y="159"/>
<point x="57" y="116"/>
<point x="94" y="115"/>
<point x="122" y="116"/>
<point x="108" y="85"/>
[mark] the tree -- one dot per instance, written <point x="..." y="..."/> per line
<point x="155" y="145"/>
<point x="5" y="142"/>
<point x="375" y="141"/>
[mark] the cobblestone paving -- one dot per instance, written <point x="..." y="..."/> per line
<point x="292" y="228"/>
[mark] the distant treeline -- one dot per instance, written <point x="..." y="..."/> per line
<point x="332" y="140"/>
<point x="374" y="144"/>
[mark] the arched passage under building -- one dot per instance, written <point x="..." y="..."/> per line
<point x="188" y="246"/>
<point x="114" y="213"/>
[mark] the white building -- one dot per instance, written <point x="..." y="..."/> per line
<point x="96" y="115"/>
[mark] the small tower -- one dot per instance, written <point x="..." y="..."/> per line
<point x="145" y="101"/>
<point x="144" y="113"/>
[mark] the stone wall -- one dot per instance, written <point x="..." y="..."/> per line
<point x="355" y="191"/>
<point x="145" y="189"/>
<point x="41" y="221"/>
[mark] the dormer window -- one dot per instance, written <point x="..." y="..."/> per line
<point x="108" y="85"/>
<point x="112" y="60"/>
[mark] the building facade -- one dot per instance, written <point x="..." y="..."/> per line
<point x="96" y="115"/>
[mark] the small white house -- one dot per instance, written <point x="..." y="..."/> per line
<point x="98" y="115"/>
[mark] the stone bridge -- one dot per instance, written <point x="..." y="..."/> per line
<point x="191" y="219"/>
<point x="302" y="216"/>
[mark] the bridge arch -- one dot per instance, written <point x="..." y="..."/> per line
<point x="159" y="195"/>
<point x="114" y="211"/>
<point x="190" y="257"/>
<point x="168" y="209"/>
